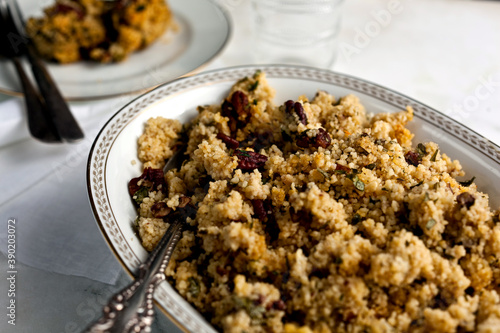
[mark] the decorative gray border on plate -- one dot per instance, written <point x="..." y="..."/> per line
<point x="96" y="167"/>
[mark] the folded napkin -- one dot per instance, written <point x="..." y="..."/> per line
<point x="44" y="190"/>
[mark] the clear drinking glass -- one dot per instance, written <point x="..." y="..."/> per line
<point x="300" y="32"/>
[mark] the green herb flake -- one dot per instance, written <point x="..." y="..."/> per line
<point x="448" y="256"/>
<point x="140" y="8"/>
<point x="418" y="184"/>
<point x="324" y="173"/>
<point x="371" y="166"/>
<point x="244" y="153"/>
<point x="255" y="102"/>
<point x="253" y="310"/>
<point x="338" y="260"/>
<point x="140" y="194"/>
<point x="430" y="224"/>
<point x="433" y="158"/>
<point x="384" y="189"/>
<point x="356" y="218"/>
<point x="253" y="86"/>
<point x="242" y="80"/>
<point x="194" y="287"/>
<point x="421" y="150"/>
<point x="358" y="184"/>
<point x="341" y="297"/>
<point x="467" y="183"/>
<point x="257" y="73"/>
<point x="426" y="197"/>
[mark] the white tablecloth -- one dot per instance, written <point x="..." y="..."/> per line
<point x="444" y="53"/>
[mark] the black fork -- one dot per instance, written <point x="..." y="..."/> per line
<point x="63" y="124"/>
<point x="38" y="122"/>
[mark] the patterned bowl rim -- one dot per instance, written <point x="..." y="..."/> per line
<point x="103" y="143"/>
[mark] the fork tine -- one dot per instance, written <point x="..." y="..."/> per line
<point x="14" y="40"/>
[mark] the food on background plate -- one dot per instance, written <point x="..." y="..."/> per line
<point x="316" y="216"/>
<point x="99" y="30"/>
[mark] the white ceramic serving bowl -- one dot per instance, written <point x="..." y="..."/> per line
<point x="110" y="164"/>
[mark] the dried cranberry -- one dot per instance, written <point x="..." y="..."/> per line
<point x="249" y="160"/>
<point x="466" y="199"/>
<point x="259" y="210"/>
<point x="413" y="158"/>
<point x="303" y="140"/>
<point x="322" y="139"/>
<point x="229" y="141"/>
<point x="289" y="106"/>
<point x="279" y="305"/>
<point x="299" y="110"/>
<point x="153" y="179"/>
<point x="296" y="107"/>
<point x="160" y="209"/>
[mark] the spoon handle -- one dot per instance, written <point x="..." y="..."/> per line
<point x="131" y="309"/>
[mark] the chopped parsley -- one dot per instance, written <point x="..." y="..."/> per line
<point x="421" y="150"/>
<point x="324" y="173"/>
<point x="430" y="224"/>
<point x="194" y="287"/>
<point x="356" y="218"/>
<point x="433" y="158"/>
<point x="371" y="166"/>
<point x="140" y="194"/>
<point x="467" y="183"/>
<point x="253" y="86"/>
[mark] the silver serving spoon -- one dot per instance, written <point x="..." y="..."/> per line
<point x="132" y="309"/>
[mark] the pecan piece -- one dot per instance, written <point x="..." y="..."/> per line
<point x="322" y="139"/>
<point x="229" y="141"/>
<point x="249" y="160"/>
<point x="240" y="103"/>
<point x="160" y="209"/>
<point x="183" y="201"/>
<point x="413" y="158"/>
<point x="466" y="199"/>
<point x="236" y="110"/>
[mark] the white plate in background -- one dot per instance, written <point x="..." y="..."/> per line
<point x="204" y="30"/>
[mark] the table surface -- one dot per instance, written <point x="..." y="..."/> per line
<point x="443" y="53"/>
